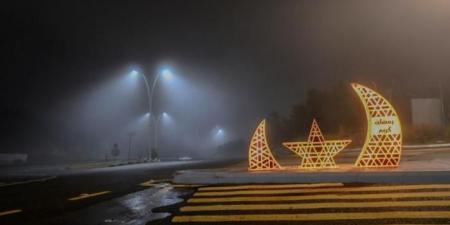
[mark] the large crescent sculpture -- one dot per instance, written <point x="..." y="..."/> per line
<point x="259" y="155"/>
<point x="383" y="144"/>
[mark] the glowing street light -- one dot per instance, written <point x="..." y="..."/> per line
<point x="218" y="135"/>
<point x="167" y="75"/>
<point x="134" y="73"/>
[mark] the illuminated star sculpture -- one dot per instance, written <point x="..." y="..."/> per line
<point x="317" y="153"/>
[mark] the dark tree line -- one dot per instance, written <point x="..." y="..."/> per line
<point x="340" y="114"/>
<point x="338" y="111"/>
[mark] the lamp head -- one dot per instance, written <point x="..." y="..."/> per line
<point x="167" y="74"/>
<point x="134" y="73"/>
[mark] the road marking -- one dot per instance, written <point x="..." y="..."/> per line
<point x="318" y="190"/>
<point x="152" y="183"/>
<point x="324" y="196"/>
<point x="9" y="212"/>
<point x="149" y="183"/>
<point x="85" y="195"/>
<point x="315" y="216"/>
<point x="315" y="205"/>
<point x="273" y="186"/>
<point x="27" y="181"/>
<point x="186" y="185"/>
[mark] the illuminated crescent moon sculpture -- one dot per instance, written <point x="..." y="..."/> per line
<point x="383" y="144"/>
<point x="259" y="155"/>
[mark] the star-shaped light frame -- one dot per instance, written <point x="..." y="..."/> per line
<point x="317" y="153"/>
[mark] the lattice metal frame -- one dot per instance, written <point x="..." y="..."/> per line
<point x="259" y="155"/>
<point x="383" y="144"/>
<point x="317" y="153"/>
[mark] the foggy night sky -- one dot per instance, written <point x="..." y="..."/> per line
<point x="248" y="57"/>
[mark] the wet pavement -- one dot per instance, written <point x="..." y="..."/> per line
<point x="142" y="194"/>
<point x="120" y="191"/>
<point x="132" y="209"/>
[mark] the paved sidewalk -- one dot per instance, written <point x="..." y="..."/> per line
<point x="417" y="166"/>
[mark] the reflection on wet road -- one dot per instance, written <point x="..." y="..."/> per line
<point x="132" y="209"/>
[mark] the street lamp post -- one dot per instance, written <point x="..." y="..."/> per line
<point x="219" y="136"/>
<point x="150" y="93"/>
<point x="157" y="121"/>
<point x="130" y="139"/>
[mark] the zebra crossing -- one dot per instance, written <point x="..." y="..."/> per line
<point x="320" y="203"/>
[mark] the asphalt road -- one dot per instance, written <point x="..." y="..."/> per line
<point x="116" y="196"/>
<point x="50" y="199"/>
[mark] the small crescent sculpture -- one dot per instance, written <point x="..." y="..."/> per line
<point x="259" y="155"/>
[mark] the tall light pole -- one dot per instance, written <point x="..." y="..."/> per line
<point x="130" y="139"/>
<point x="167" y="74"/>
<point x="218" y="136"/>
<point x="155" y="136"/>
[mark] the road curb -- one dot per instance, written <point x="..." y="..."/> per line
<point x="245" y="177"/>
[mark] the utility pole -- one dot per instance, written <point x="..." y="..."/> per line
<point x="130" y="139"/>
